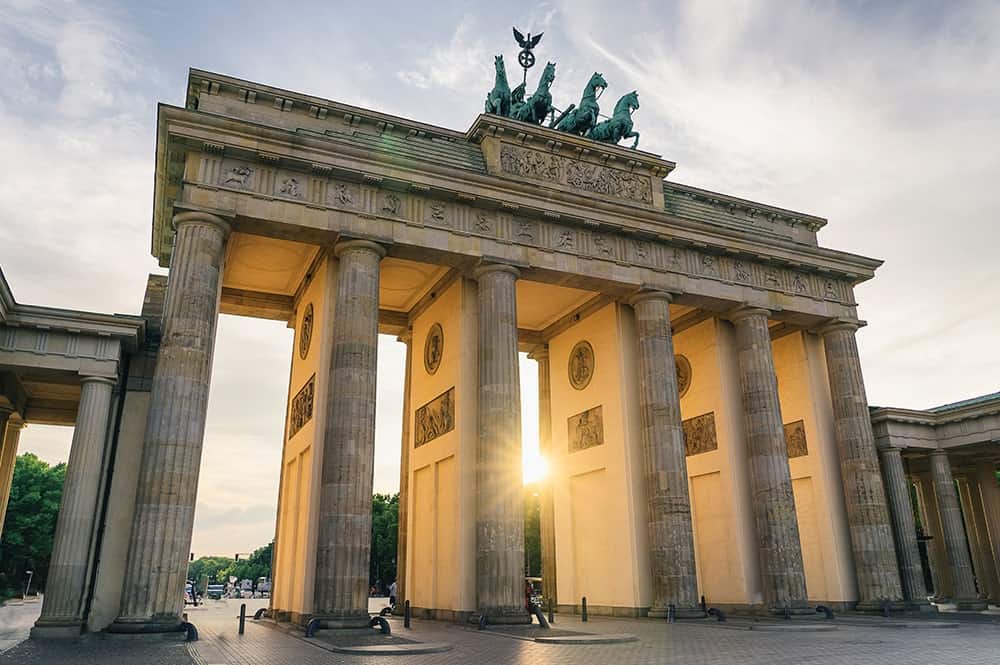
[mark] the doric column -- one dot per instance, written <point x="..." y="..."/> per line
<point x="671" y="539"/>
<point x="936" y="555"/>
<point x="956" y="545"/>
<point x="343" y="546"/>
<point x="989" y="501"/>
<point x="500" y="496"/>
<point x="10" y="433"/>
<point x="404" y="475"/>
<point x="898" y="491"/>
<point x="153" y="589"/>
<point x="782" y="572"/>
<point x="867" y="513"/>
<point x="547" y="516"/>
<point x="62" y="608"/>
<point x="975" y="518"/>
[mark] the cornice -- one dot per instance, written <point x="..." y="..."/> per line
<point x="129" y="329"/>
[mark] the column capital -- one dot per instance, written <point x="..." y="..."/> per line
<point x="540" y="352"/>
<point x="93" y="378"/>
<point x="938" y="452"/>
<point x="487" y="268"/>
<point x="645" y="294"/>
<point x="346" y="245"/>
<point x="833" y="325"/>
<point x="197" y="216"/>
<point x="745" y="312"/>
<point x="406" y="336"/>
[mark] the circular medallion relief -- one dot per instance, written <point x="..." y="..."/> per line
<point x="581" y="365"/>
<point x="306" y="332"/>
<point x="433" y="348"/>
<point x="683" y="374"/>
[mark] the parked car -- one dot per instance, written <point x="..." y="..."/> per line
<point x="215" y="591"/>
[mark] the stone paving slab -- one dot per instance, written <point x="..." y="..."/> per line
<point x="609" y="638"/>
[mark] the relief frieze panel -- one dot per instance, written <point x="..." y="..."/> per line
<point x="509" y="225"/>
<point x="434" y="419"/>
<point x="699" y="434"/>
<point x="301" y="411"/>
<point x="592" y="178"/>
<point x="586" y="429"/>
<point x="795" y="439"/>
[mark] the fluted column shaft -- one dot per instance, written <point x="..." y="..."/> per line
<point x="955" y="542"/>
<point x="898" y="492"/>
<point x="668" y="522"/>
<point x="499" y="475"/>
<point x="782" y="572"/>
<point x="867" y="512"/>
<point x="547" y="512"/>
<point x="404" y="475"/>
<point x="152" y="594"/>
<point x="976" y="530"/>
<point x="989" y="500"/>
<point x="937" y="557"/>
<point x="67" y="579"/>
<point x="345" y="512"/>
<point x="10" y="433"/>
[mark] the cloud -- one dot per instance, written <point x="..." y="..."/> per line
<point x="458" y="65"/>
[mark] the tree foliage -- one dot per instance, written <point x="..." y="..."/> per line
<point x="385" y="529"/>
<point x="218" y="569"/>
<point x="30" y="525"/>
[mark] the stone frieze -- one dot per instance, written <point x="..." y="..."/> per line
<point x="699" y="434"/>
<point x="586" y="429"/>
<point x="435" y="418"/>
<point x="301" y="411"/>
<point x="586" y="177"/>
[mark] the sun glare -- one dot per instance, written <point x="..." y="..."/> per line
<point x="536" y="467"/>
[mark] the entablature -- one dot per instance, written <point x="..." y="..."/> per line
<point x="269" y="165"/>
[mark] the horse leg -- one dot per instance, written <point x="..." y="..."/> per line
<point x="636" y="135"/>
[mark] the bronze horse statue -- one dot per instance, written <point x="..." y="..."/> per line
<point x="620" y="125"/>
<point x="498" y="99"/>
<point x="539" y="105"/>
<point x="580" y="119"/>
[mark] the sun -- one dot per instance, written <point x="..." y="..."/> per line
<point x="535" y="466"/>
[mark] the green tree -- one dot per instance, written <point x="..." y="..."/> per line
<point x="385" y="529"/>
<point x="30" y="525"/>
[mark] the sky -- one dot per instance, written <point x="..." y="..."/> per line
<point x="882" y="117"/>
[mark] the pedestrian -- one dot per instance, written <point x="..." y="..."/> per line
<point x="392" y="594"/>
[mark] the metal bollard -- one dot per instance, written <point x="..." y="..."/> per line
<point x="552" y="618"/>
<point x="406" y="614"/>
<point x="704" y="606"/>
<point x="243" y="617"/>
<point x="583" y="611"/>
<point x="671" y="613"/>
<point x="788" y="613"/>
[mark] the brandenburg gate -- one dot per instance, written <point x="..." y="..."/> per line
<point x="701" y="399"/>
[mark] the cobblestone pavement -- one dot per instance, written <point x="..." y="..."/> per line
<point x="701" y="643"/>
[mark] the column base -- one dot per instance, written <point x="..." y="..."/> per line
<point x="57" y="630"/>
<point x="353" y="620"/>
<point x="679" y="613"/>
<point x="503" y="617"/>
<point x="970" y="604"/>
<point x="145" y="627"/>
<point x="878" y="606"/>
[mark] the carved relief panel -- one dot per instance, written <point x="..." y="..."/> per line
<point x="795" y="439"/>
<point x="586" y="429"/>
<point x="699" y="434"/>
<point x="301" y="411"/>
<point x="435" y="418"/>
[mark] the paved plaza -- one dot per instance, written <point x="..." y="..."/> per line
<point x="854" y="640"/>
